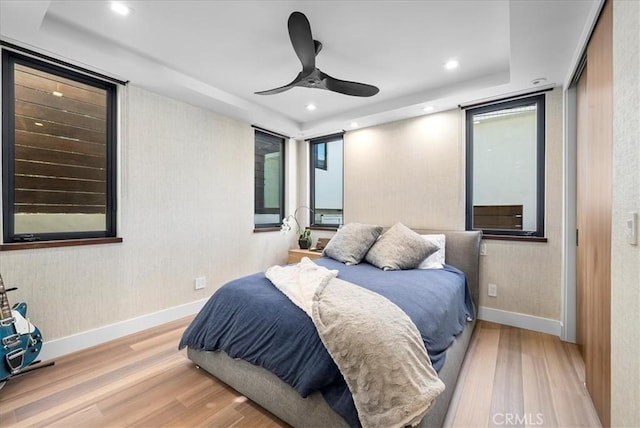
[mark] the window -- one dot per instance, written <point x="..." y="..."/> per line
<point x="59" y="148"/>
<point x="505" y="167"/>
<point x="320" y="155"/>
<point x="326" y="180"/>
<point x="269" y="180"/>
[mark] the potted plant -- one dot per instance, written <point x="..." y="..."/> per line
<point x="304" y="240"/>
<point x="304" y="236"/>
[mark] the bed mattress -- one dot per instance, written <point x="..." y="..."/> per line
<point x="249" y="318"/>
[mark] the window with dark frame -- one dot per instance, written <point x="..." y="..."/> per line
<point x="59" y="152"/>
<point x="269" y="180"/>
<point x="320" y="155"/>
<point x="505" y="164"/>
<point x="326" y="192"/>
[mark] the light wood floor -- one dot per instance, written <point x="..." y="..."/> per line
<point x="511" y="377"/>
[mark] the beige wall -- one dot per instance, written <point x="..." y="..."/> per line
<point x="625" y="258"/>
<point x="410" y="171"/>
<point x="186" y="210"/>
<point x="413" y="171"/>
<point x="528" y="275"/>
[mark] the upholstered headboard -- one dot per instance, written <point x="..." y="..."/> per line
<point x="462" y="250"/>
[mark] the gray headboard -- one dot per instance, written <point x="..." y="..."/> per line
<point x="462" y="250"/>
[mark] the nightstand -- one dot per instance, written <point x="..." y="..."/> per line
<point x="297" y="254"/>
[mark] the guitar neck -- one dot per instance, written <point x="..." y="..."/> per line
<point x="5" y="309"/>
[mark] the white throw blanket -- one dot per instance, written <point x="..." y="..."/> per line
<point x="376" y="346"/>
<point x="299" y="282"/>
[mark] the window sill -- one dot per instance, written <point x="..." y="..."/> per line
<point x="514" y="238"/>
<point x="60" y="243"/>
<point x="330" y="228"/>
<point x="267" y="229"/>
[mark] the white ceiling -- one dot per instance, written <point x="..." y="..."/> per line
<point x="216" y="54"/>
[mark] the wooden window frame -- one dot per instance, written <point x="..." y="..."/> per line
<point x="9" y="59"/>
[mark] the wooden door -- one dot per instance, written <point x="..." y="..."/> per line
<point x="594" y="193"/>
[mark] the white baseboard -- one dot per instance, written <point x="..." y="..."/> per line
<point x="66" y="345"/>
<point x="514" y="319"/>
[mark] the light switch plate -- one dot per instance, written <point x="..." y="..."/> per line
<point x="632" y="228"/>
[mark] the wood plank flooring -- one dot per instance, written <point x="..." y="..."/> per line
<point x="511" y="377"/>
<point x="520" y="378"/>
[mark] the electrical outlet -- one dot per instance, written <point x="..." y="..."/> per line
<point x="493" y="290"/>
<point x="483" y="249"/>
<point x="200" y="282"/>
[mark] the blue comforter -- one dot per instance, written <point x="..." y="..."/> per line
<point x="250" y="318"/>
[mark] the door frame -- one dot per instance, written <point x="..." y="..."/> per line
<point x="569" y="220"/>
<point x="569" y="153"/>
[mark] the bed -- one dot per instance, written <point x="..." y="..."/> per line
<point x="315" y="398"/>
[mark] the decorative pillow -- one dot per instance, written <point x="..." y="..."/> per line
<point x="400" y="248"/>
<point x="352" y="241"/>
<point x="435" y="260"/>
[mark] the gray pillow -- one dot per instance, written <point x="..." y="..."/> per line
<point x="352" y="241"/>
<point x="400" y="248"/>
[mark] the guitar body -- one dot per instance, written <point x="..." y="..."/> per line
<point x="21" y="342"/>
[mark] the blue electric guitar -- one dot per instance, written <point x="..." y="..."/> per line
<point x="21" y="340"/>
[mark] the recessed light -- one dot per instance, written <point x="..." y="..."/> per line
<point x="427" y="109"/>
<point x="120" y="8"/>
<point x="56" y="93"/>
<point x="538" y="80"/>
<point x="311" y="107"/>
<point x="476" y="122"/>
<point x="354" y="124"/>
<point x="38" y="123"/>
<point x="452" y="64"/>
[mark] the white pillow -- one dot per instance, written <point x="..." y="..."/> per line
<point x="435" y="260"/>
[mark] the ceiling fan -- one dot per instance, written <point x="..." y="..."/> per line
<point x="311" y="77"/>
